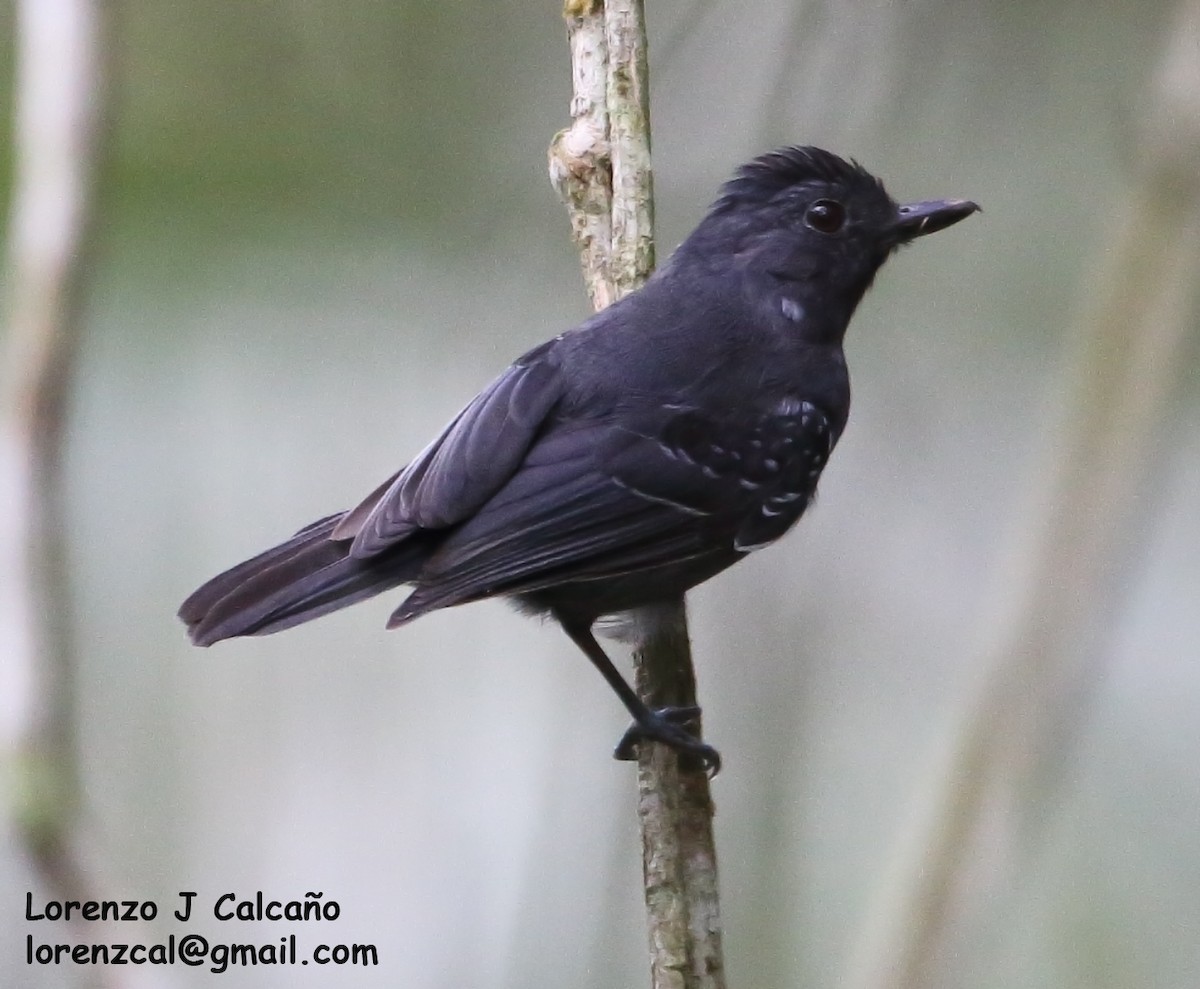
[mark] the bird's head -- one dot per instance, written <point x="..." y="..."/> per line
<point x="808" y="227"/>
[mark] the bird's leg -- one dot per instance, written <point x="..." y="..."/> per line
<point x="664" y="724"/>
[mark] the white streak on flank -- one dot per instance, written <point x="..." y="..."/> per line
<point x="640" y="624"/>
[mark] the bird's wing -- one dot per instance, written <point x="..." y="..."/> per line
<point x="465" y="466"/>
<point x="594" y="500"/>
<point x="756" y="473"/>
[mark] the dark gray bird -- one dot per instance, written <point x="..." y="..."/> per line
<point x="628" y="460"/>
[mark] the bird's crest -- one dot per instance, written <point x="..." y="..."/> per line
<point x="761" y="180"/>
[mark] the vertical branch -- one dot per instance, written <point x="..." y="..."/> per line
<point x="1127" y="345"/>
<point x="601" y="168"/>
<point x="627" y="88"/>
<point x="580" y="162"/>
<point x="57" y="112"/>
<point x="675" y="809"/>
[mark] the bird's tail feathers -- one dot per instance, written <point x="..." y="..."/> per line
<point x="305" y="577"/>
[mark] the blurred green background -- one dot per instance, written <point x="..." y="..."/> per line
<point x="324" y="225"/>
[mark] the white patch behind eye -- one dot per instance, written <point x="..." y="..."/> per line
<point x="792" y="309"/>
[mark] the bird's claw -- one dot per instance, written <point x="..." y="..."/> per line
<point x="667" y="725"/>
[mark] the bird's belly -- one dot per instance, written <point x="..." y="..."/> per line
<point x="589" y="598"/>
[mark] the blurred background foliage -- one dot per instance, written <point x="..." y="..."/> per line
<point x="323" y="225"/>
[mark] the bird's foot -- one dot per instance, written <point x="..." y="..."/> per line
<point x="666" y="725"/>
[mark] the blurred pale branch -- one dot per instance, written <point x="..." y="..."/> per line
<point x="58" y="110"/>
<point x="1125" y="358"/>
<point x="601" y="167"/>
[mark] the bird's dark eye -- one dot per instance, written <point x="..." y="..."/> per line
<point x="826" y="216"/>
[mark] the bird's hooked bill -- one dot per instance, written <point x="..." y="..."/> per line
<point x="918" y="219"/>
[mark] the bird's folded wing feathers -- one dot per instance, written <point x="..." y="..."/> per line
<point x="563" y="516"/>
<point x="596" y="500"/>
<point x="465" y="466"/>
<point x="529" y="501"/>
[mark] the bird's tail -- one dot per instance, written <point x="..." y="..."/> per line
<point x="301" y="579"/>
